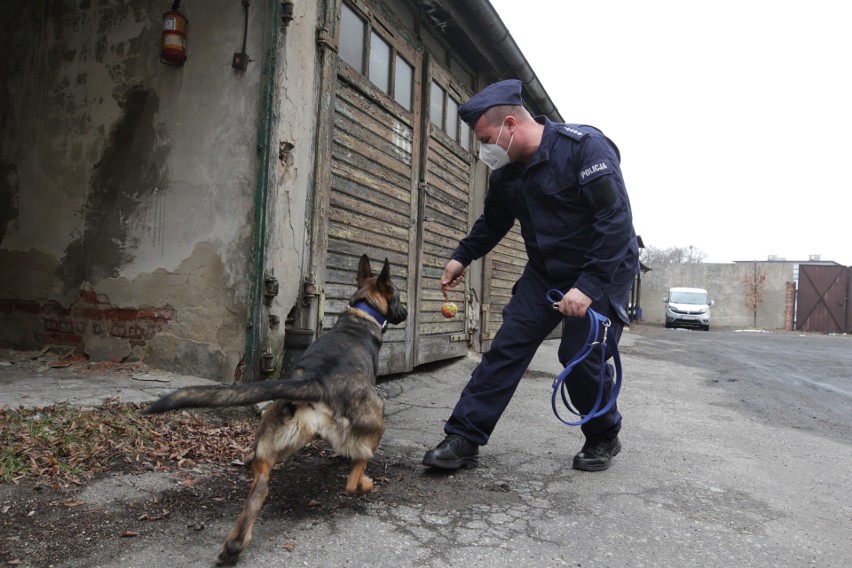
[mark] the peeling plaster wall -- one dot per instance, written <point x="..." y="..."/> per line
<point x="292" y="173"/>
<point x="128" y="185"/>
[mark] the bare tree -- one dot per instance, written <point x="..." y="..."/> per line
<point x="653" y="256"/>
<point x="753" y="287"/>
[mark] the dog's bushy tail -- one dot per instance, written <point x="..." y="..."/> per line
<point x="237" y="395"/>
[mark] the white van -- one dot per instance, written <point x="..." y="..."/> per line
<point x="688" y="307"/>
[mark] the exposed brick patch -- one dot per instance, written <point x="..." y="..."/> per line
<point x="92" y="313"/>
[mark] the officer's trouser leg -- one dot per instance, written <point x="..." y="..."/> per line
<point x="527" y="320"/>
<point x="583" y="381"/>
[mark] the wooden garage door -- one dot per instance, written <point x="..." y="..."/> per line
<point x="444" y="218"/>
<point x="503" y="266"/>
<point x="444" y="224"/>
<point x="370" y="203"/>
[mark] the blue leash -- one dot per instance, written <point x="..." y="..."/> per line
<point x="596" y="322"/>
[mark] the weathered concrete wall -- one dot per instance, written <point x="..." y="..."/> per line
<point x="295" y="112"/>
<point x="127" y="186"/>
<point x="724" y="282"/>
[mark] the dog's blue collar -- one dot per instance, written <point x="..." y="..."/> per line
<point x="369" y="310"/>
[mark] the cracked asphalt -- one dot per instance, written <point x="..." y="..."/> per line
<point x="737" y="451"/>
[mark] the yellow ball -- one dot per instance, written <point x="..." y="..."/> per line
<point x="449" y="310"/>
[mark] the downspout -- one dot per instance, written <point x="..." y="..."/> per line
<point x="254" y="329"/>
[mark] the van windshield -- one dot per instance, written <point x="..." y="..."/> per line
<point x="689" y="298"/>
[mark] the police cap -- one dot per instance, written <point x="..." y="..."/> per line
<point x="506" y="92"/>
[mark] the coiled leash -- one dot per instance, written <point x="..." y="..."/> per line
<point x="596" y="321"/>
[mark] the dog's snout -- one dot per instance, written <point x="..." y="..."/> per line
<point x="398" y="312"/>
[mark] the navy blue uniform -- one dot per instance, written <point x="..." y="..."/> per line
<point x="577" y="226"/>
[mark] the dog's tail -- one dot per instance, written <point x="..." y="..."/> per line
<point x="238" y="395"/>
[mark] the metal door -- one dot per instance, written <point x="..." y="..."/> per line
<point x="822" y="299"/>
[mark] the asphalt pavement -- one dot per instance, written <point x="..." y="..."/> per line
<point x="704" y="479"/>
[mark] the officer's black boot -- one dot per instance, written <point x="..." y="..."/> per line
<point x="454" y="452"/>
<point x="597" y="454"/>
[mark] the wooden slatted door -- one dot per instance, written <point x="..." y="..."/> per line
<point x="370" y="202"/>
<point x="444" y="220"/>
<point x="503" y="266"/>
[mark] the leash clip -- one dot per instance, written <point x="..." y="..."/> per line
<point x="599" y="408"/>
<point x="555" y="297"/>
<point x="605" y="325"/>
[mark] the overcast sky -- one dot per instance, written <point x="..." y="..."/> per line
<point x="733" y="117"/>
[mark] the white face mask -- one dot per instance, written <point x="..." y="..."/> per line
<point x="494" y="156"/>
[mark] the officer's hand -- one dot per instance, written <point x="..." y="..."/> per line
<point x="453" y="275"/>
<point x="574" y="303"/>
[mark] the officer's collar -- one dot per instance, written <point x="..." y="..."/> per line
<point x="542" y="154"/>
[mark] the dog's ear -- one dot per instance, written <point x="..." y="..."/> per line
<point x="384" y="277"/>
<point x="364" y="271"/>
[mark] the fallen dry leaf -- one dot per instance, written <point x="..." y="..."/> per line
<point x="72" y="445"/>
<point x="68" y="361"/>
<point x="129" y="534"/>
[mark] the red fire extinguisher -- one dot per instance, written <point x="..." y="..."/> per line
<point x="173" y="51"/>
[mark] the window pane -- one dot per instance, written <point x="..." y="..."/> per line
<point x="402" y="83"/>
<point x="380" y="54"/>
<point x="436" y="105"/>
<point x="453" y="118"/>
<point x="352" y="38"/>
<point x="465" y="136"/>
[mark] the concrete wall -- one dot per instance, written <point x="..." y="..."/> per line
<point x="291" y="174"/>
<point x="127" y="187"/>
<point x="724" y="282"/>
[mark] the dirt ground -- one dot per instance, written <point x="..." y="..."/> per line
<point x="51" y="522"/>
<point x="44" y="526"/>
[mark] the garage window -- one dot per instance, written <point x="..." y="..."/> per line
<point x="352" y="33"/>
<point x="380" y="58"/>
<point x="403" y="81"/>
<point x="377" y="58"/>
<point x="444" y="113"/>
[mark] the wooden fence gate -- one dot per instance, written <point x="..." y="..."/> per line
<point x="823" y="299"/>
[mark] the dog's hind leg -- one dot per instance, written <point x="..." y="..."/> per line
<point x="358" y="482"/>
<point x="280" y="434"/>
<point x="240" y="535"/>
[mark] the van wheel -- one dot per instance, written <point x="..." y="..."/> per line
<point x="705" y="327"/>
<point x="669" y="325"/>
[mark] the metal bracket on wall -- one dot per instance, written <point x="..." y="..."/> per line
<point x="267" y="361"/>
<point x="326" y="39"/>
<point x="287" y="9"/>
<point x="485" y="335"/>
<point x="270" y="287"/>
<point x="310" y="290"/>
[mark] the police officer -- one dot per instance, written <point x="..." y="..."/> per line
<point x="563" y="183"/>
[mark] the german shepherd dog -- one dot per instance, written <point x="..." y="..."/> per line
<point x="330" y="394"/>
